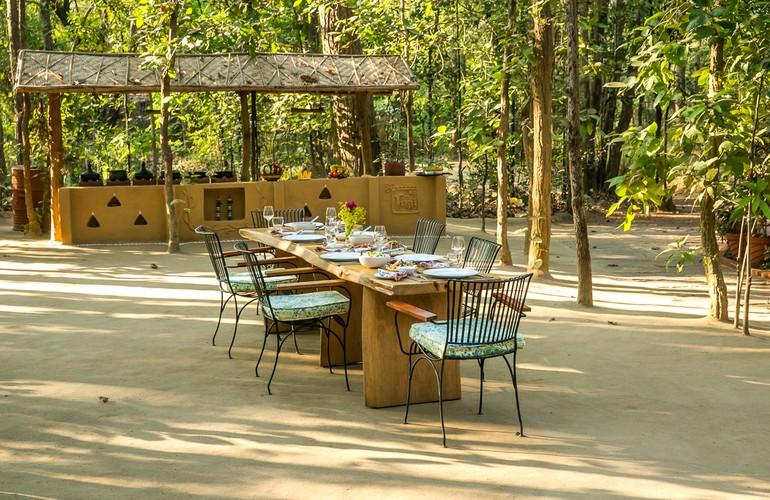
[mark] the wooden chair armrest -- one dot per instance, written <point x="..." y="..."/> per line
<point x="235" y="253"/>
<point x="302" y="285"/>
<point x="411" y="310"/>
<point x="265" y="262"/>
<point x="292" y="271"/>
<point x="510" y="302"/>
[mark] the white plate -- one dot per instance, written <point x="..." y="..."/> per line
<point x="419" y="257"/>
<point x="340" y="256"/>
<point x="450" y="272"/>
<point x="302" y="237"/>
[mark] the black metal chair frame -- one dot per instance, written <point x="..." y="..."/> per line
<point x="288" y="214"/>
<point x="222" y="272"/>
<point x="274" y="326"/>
<point x="498" y="308"/>
<point x="481" y="254"/>
<point x="427" y="235"/>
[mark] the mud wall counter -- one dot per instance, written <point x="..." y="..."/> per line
<point x="137" y="214"/>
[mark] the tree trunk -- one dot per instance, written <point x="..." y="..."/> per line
<point x="165" y="146"/>
<point x="541" y="82"/>
<point x="246" y="137"/>
<point x="714" y="279"/>
<point x="502" y="137"/>
<point x="56" y="153"/>
<point x="3" y="164"/>
<point x="585" y="280"/>
<point x="347" y="138"/>
<point x="14" y="45"/>
<point x="45" y="23"/>
<point x="527" y="150"/>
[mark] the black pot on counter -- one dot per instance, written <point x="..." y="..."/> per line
<point x="144" y="176"/>
<point x="118" y="175"/>
<point x="89" y="177"/>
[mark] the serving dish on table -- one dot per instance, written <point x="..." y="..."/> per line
<point x="340" y="256"/>
<point x="304" y="226"/>
<point x="304" y="237"/>
<point x="418" y="257"/>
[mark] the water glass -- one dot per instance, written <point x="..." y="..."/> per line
<point x="268" y="214"/>
<point x="277" y="223"/>
<point x="331" y="214"/>
<point x="380" y="237"/>
<point x="454" y="258"/>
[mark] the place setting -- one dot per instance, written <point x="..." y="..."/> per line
<point x="296" y="231"/>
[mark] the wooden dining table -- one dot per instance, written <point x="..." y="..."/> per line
<point x="371" y="334"/>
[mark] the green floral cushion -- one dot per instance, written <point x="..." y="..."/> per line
<point x="305" y="306"/>
<point x="432" y="337"/>
<point x="242" y="283"/>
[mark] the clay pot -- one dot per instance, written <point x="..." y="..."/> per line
<point x="758" y="246"/>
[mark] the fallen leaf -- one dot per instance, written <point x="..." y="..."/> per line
<point x="612" y="265"/>
<point x="104" y="399"/>
<point x="552" y="319"/>
<point x="154" y="266"/>
<point x="614" y="323"/>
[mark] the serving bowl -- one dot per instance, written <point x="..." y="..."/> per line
<point x="373" y="261"/>
<point x="361" y="237"/>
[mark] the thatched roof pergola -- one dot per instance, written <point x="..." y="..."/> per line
<point x="64" y="72"/>
<point x="56" y="73"/>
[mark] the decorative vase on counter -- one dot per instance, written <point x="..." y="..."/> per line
<point x="143" y="177"/>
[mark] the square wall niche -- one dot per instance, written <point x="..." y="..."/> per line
<point x="210" y="197"/>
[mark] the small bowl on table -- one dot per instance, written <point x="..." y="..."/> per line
<point x="361" y="238"/>
<point x="373" y="261"/>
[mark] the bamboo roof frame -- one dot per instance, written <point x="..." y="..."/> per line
<point x="86" y="72"/>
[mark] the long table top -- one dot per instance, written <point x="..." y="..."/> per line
<point x="349" y="271"/>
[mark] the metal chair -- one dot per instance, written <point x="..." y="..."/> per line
<point x="426" y="235"/>
<point x="288" y="214"/>
<point x="491" y="332"/>
<point x="315" y="309"/>
<point x="236" y="285"/>
<point x="481" y="254"/>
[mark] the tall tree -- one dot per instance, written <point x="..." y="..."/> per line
<point x="351" y="115"/>
<point x="541" y="83"/>
<point x="502" y="138"/>
<point x="585" y="280"/>
<point x="165" y="145"/>
<point x="714" y="278"/>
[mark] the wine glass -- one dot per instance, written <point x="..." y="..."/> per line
<point x="380" y="237"/>
<point x="268" y="214"/>
<point x="458" y="244"/>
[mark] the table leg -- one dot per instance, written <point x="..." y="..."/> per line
<point x="353" y="336"/>
<point x="386" y="367"/>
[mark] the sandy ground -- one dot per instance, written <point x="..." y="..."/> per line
<point x="639" y="397"/>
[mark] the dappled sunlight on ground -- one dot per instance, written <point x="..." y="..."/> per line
<point x="639" y="397"/>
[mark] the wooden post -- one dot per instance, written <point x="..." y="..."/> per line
<point x="365" y="124"/>
<point x="56" y="151"/>
<point x="409" y="130"/>
<point x="246" y="137"/>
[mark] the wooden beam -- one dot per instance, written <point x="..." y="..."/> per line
<point x="245" y="137"/>
<point x="56" y="152"/>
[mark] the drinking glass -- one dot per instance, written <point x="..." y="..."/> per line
<point x="277" y="223"/>
<point x="380" y="237"/>
<point x="330" y="232"/>
<point x="453" y="258"/>
<point x="268" y="214"/>
<point x="331" y="215"/>
<point x="458" y="244"/>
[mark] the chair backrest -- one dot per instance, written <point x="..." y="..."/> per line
<point x="288" y="214"/>
<point x="497" y="306"/>
<point x="481" y="254"/>
<point x="256" y="272"/>
<point x="214" y="248"/>
<point x="426" y="235"/>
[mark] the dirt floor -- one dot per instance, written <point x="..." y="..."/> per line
<point x="639" y="397"/>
